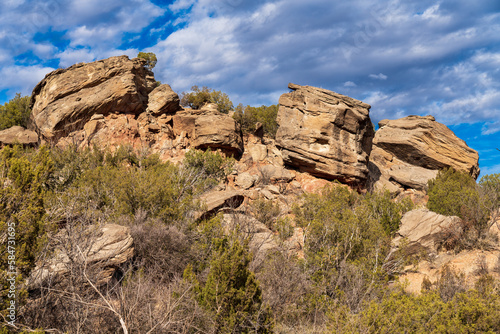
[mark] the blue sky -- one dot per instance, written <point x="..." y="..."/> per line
<point x="403" y="57"/>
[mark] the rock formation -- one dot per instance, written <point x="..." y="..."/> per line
<point x="101" y="252"/>
<point x="324" y="133"/>
<point x="18" y="135"/>
<point x="114" y="102"/>
<point x="407" y="152"/>
<point x="425" y="230"/>
<point x="67" y="98"/>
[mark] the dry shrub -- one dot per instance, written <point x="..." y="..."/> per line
<point x="450" y="283"/>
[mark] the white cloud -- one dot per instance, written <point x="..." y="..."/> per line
<point x="349" y="84"/>
<point x="379" y="76"/>
<point x="25" y="77"/>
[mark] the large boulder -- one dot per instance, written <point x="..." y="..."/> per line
<point x="426" y="231"/>
<point x="67" y="98"/>
<point x="163" y="100"/>
<point x="18" y="135"/>
<point x="408" y="152"/>
<point x="325" y="134"/>
<point x="208" y="128"/>
<point x="100" y="252"/>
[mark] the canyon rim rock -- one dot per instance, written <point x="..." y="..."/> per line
<point x="67" y="98"/>
<point x="326" y="134"/>
<point x="410" y="151"/>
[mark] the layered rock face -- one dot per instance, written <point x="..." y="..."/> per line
<point x="115" y="102"/>
<point x="325" y="134"/>
<point x="67" y="98"/>
<point x="408" y="152"/>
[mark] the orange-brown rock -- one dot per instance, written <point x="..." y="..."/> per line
<point x="18" y="135"/>
<point x="325" y="134"/>
<point x="66" y="99"/>
<point x="407" y="152"/>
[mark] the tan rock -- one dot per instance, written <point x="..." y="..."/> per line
<point x="425" y="230"/>
<point x="217" y="131"/>
<point x="325" y="134"/>
<point x="103" y="251"/>
<point x="245" y="180"/>
<point x="18" y="135"/>
<point x="423" y="142"/>
<point x="67" y="98"/>
<point x="213" y="201"/>
<point x="163" y="100"/>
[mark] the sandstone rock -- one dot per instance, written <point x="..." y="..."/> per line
<point x="104" y="251"/>
<point x="466" y="263"/>
<point x="163" y="100"/>
<point x="258" y="152"/>
<point x="261" y="239"/>
<point x="422" y="142"/>
<point x="67" y="98"/>
<point x="425" y="230"/>
<point x="272" y="173"/>
<point x="217" y="131"/>
<point x="216" y="200"/>
<point x="18" y="135"/>
<point x="325" y="134"/>
<point x="244" y="180"/>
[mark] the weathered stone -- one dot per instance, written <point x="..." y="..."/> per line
<point x="272" y="173"/>
<point x="425" y="230"/>
<point x="325" y="134"/>
<point x="423" y="142"/>
<point x="163" y="100"/>
<point x="67" y="98"/>
<point x="103" y="251"/>
<point x="245" y="180"/>
<point x="215" y="200"/>
<point x="217" y="131"/>
<point x="18" y="135"/>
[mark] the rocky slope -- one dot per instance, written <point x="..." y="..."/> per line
<point x="322" y="136"/>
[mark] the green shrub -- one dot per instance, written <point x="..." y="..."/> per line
<point x="15" y="112"/>
<point x="231" y="291"/>
<point x="199" y="97"/>
<point x="455" y="193"/>
<point x="248" y="116"/>
<point x="451" y="192"/>
<point x="150" y="59"/>
<point x="23" y="192"/>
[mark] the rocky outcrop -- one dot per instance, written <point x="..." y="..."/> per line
<point x="163" y="100"/>
<point x="67" y="98"/>
<point x="18" y="135"/>
<point x="214" y="201"/>
<point x="115" y="102"/>
<point x="325" y="134"/>
<point x="425" y="230"/>
<point x="408" y="152"/>
<point x="100" y="252"/>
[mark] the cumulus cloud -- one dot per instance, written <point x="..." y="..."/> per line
<point x="26" y="77"/>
